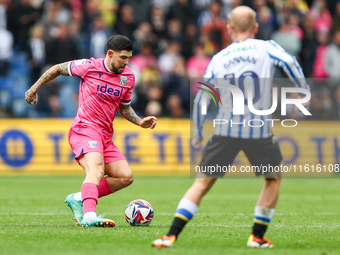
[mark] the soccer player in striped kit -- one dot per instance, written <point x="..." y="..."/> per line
<point x="105" y="87"/>
<point x="246" y="57"/>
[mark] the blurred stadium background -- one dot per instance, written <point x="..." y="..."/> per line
<point x="174" y="41"/>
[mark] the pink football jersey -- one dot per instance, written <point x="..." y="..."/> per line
<point x="100" y="92"/>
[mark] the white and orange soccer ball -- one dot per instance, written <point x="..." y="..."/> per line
<point x="139" y="213"/>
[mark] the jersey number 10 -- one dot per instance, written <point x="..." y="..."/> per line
<point x="248" y="74"/>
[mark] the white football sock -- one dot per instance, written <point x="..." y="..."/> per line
<point x="264" y="213"/>
<point x="186" y="209"/>
<point x="89" y="215"/>
<point x="77" y="196"/>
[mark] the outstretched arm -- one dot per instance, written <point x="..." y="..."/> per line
<point x="128" y="113"/>
<point x="56" y="70"/>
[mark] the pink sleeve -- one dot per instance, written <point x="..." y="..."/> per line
<point x="126" y="100"/>
<point x="79" y="67"/>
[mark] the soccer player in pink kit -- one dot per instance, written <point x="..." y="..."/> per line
<point x="105" y="88"/>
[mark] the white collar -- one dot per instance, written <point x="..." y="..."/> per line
<point x="107" y="67"/>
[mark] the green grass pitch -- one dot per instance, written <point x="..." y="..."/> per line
<point x="34" y="219"/>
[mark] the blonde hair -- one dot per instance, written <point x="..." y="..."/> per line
<point x="37" y="29"/>
<point x="242" y="19"/>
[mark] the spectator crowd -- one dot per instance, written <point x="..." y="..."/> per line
<point x="173" y="41"/>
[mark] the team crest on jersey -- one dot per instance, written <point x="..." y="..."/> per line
<point x="92" y="144"/>
<point x="123" y="80"/>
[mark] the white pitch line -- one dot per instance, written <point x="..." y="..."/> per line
<point x="171" y="214"/>
<point x="191" y="225"/>
<point x="251" y="214"/>
<point x="248" y="226"/>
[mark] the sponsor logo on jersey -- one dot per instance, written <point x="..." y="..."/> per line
<point x="104" y="89"/>
<point x="240" y="49"/>
<point x="80" y="62"/>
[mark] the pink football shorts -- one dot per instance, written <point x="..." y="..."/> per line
<point x="85" y="138"/>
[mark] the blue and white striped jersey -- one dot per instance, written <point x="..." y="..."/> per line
<point x="251" y="59"/>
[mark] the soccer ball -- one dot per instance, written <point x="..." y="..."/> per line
<point x="139" y="213"/>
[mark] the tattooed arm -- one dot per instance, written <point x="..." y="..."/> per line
<point x="128" y="113"/>
<point x="56" y="70"/>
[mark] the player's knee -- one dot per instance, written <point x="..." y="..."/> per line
<point x="127" y="179"/>
<point x="99" y="173"/>
<point x="96" y="172"/>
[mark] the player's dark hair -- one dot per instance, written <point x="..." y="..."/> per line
<point x="118" y="43"/>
